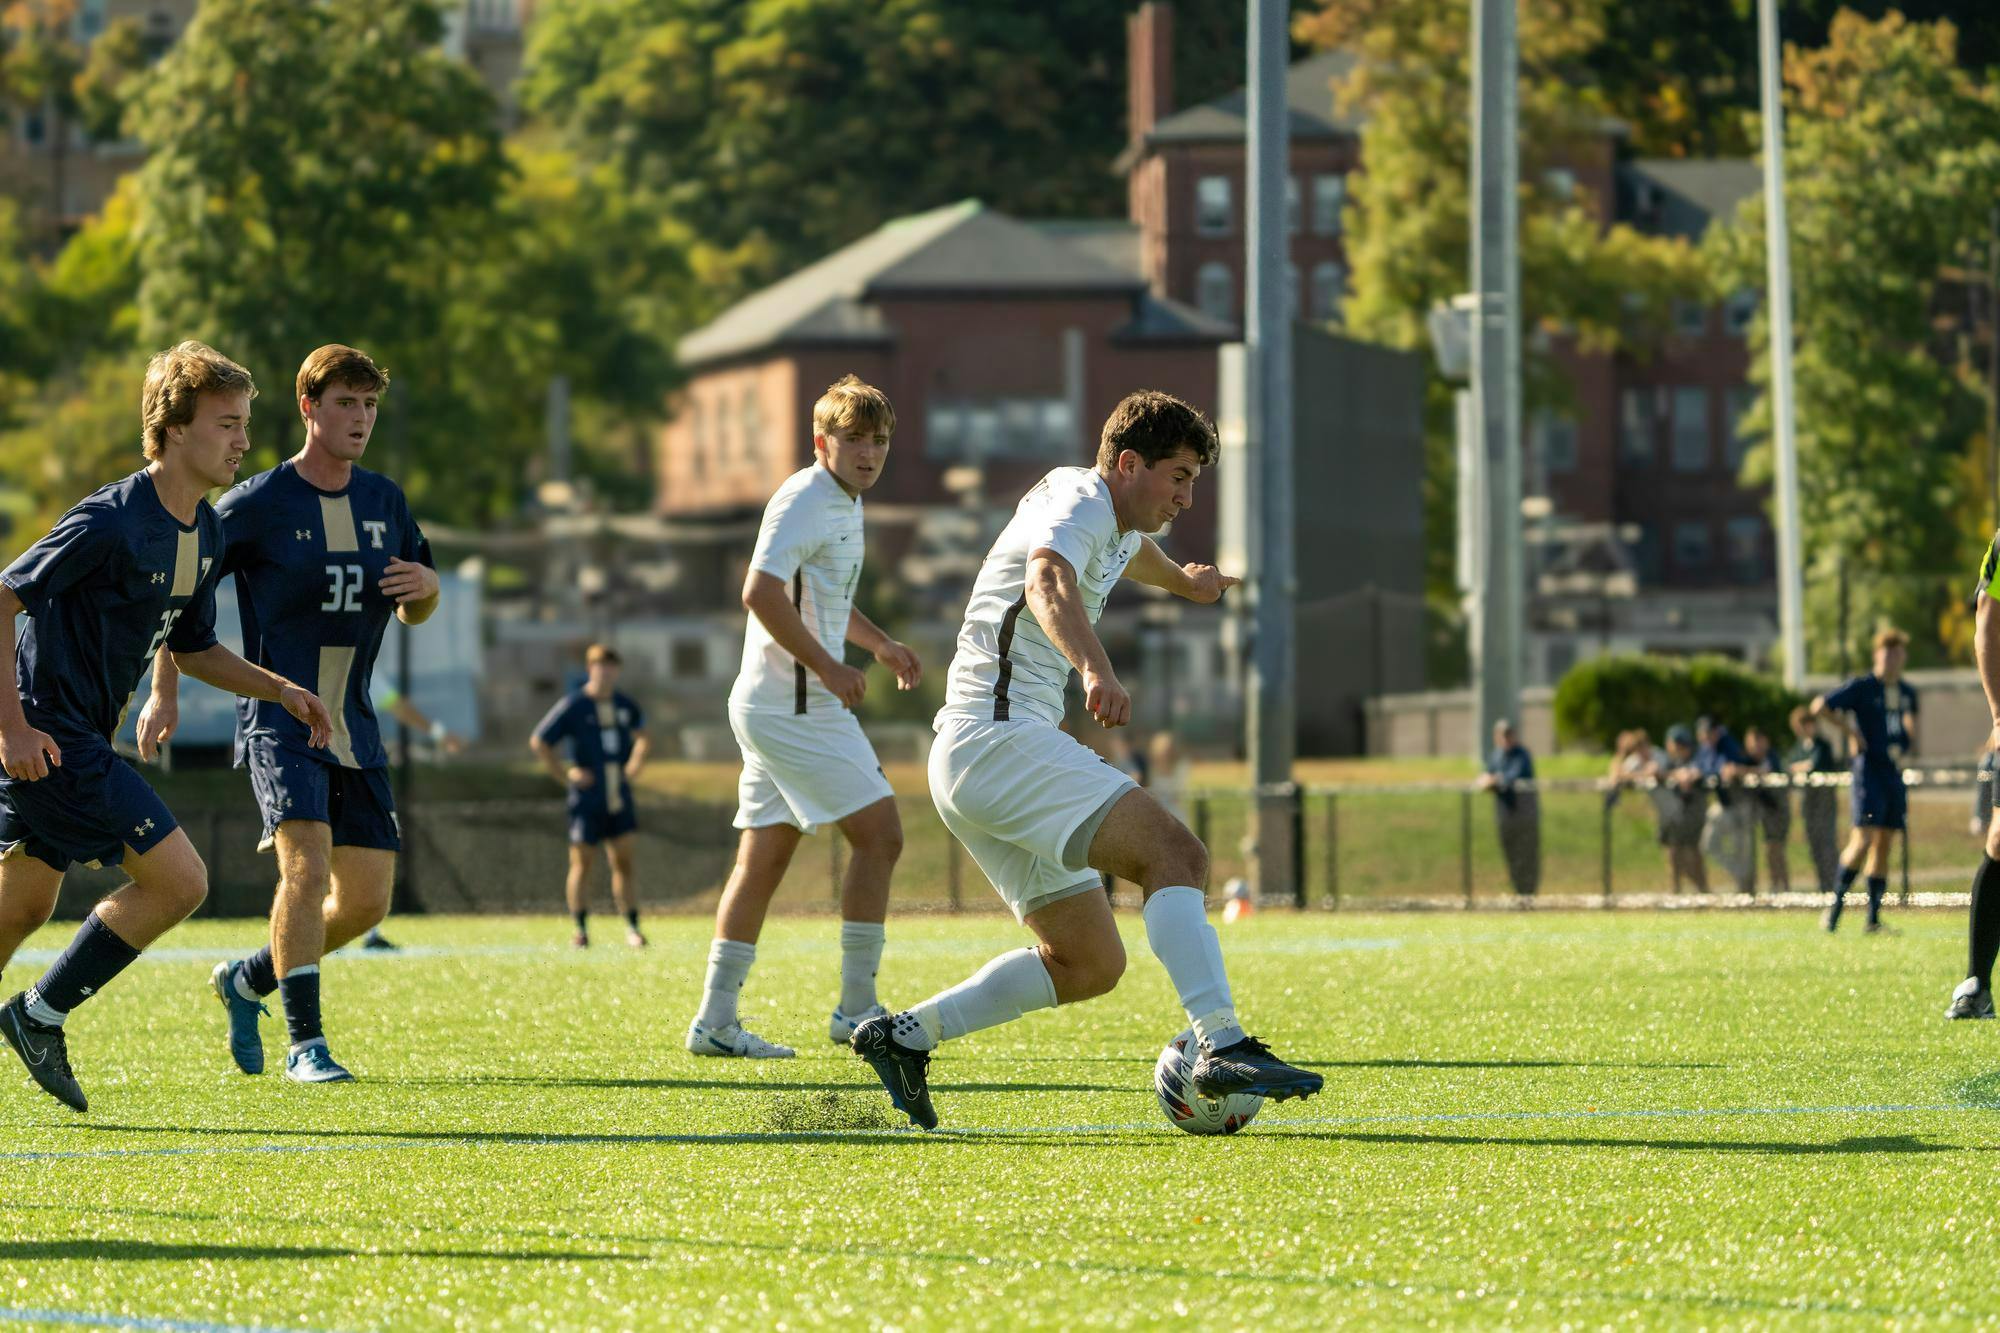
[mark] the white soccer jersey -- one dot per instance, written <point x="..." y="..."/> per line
<point x="811" y="539"/>
<point x="1005" y="668"/>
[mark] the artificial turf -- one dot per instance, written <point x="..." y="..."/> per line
<point x="1714" y="1119"/>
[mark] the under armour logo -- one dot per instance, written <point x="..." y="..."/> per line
<point x="303" y="534"/>
<point x="160" y="577"/>
<point x="376" y="530"/>
<point x="143" y="829"/>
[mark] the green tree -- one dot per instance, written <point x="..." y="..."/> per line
<point x="1598" y="285"/>
<point x="1893" y="167"/>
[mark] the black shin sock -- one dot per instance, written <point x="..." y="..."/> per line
<point x="1984" y="928"/>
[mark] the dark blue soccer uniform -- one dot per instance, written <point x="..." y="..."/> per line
<point x="308" y="566"/>
<point x="114" y="579"/>
<point x="1879" y="798"/>
<point x="600" y="735"/>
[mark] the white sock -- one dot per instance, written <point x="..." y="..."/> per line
<point x="1178" y="932"/>
<point x="728" y="967"/>
<point x="860" y="959"/>
<point x="1015" y="983"/>
<point x="39" y="1010"/>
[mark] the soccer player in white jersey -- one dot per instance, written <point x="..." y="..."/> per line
<point x="1041" y="813"/>
<point x="806" y="762"/>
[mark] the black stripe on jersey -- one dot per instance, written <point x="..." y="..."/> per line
<point x="1006" y="672"/>
<point x="798" y="667"/>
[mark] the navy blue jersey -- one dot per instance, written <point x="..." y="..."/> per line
<point x="600" y="735"/>
<point x="114" y="579"/>
<point x="1878" y="717"/>
<point x="308" y="566"/>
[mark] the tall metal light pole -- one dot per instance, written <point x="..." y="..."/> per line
<point x="1496" y="357"/>
<point x="1778" y="264"/>
<point x="1267" y="329"/>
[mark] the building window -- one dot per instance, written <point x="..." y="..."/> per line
<point x="1635" y="425"/>
<point x="1291" y="205"/>
<point x="1746" y="548"/>
<point x="1329" y="290"/>
<point x="1691" y="546"/>
<point x="1213" y="215"/>
<point x="1561" y="182"/>
<point x="1738" y="311"/>
<point x="944" y="430"/>
<point x="753" y="424"/>
<point x="1741" y="399"/>
<point x="1005" y="427"/>
<point x="722" y="432"/>
<point x="690" y="659"/>
<point x="1691" y="447"/>
<point x="1646" y="553"/>
<point x="1558" y="441"/>
<point x="1690" y="318"/>
<point x="1329" y="193"/>
<point x="1215" y="291"/>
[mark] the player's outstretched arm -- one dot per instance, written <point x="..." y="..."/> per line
<point x="1196" y="582"/>
<point x="764" y="597"/>
<point x="900" y="658"/>
<point x="160" y="718"/>
<point x="1053" y="596"/>
<point x="218" y="666"/>
<point x="415" y="588"/>
<point x="25" y="753"/>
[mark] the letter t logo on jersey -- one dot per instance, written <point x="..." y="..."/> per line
<point x="377" y="529"/>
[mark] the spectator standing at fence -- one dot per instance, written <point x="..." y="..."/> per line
<point x="1812" y="756"/>
<point x="1682" y="801"/>
<point x="1517" y="809"/>
<point x="1879" y="711"/>
<point x="1770" y="804"/>
<point x="1727" y="834"/>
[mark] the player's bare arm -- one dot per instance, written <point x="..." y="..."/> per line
<point x="218" y="666"/>
<point x="574" y="775"/>
<point x="642" y="746"/>
<point x="25" y="752"/>
<point x="1194" y="581"/>
<point x="900" y="658"/>
<point x="1841" y="720"/>
<point x="414" y="587"/>
<point x="160" y="716"/>
<point x="764" y="597"/>
<point x="1058" y="607"/>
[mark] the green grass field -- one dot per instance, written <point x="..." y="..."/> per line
<point x="1719" y="1119"/>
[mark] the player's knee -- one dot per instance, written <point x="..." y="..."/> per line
<point x="1097" y="974"/>
<point x="185" y="892"/>
<point x="1181" y="859"/>
<point x="881" y="843"/>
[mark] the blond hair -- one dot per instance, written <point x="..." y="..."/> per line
<point x="337" y="363"/>
<point x="175" y="381"/>
<point x="603" y="652"/>
<point x="850" y="403"/>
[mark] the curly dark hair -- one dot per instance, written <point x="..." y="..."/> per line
<point x="1156" y="426"/>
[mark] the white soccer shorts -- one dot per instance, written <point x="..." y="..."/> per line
<point x="803" y="769"/>
<point x="1015" y="793"/>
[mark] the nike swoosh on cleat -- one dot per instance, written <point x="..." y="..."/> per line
<point x="722" y="1046"/>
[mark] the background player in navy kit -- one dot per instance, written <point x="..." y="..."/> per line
<point x="324" y="552"/>
<point x="1883" y="725"/>
<point x="132" y="567"/>
<point x="606" y="733"/>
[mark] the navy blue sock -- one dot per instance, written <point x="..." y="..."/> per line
<point x="1878" y="885"/>
<point x="632" y="918"/>
<point x="582" y="922"/>
<point x="300" y="990"/>
<point x="260" y="971"/>
<point x="1848" y="874"/>
<point x="95" y="955"/>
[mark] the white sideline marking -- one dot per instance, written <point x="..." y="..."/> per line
<point x="11" y="1315"/>
<point x="391" y="1143"/>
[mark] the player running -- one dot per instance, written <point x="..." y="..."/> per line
<point x="1974" y="996"/>
<point x="1883" y="726"/>
<point x="606" y="733"/>
<point x="1040" y="812"/>
<point x="806" y="763"/>
<point x="130" y="569"/>
<point x="324" y="552"/>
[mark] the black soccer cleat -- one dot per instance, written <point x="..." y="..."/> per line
<point x="904" y="1072"/>
<point x="43" y="1051"/>
<point x="1970" y="1000"/>
<point x="1249" y="1066"/>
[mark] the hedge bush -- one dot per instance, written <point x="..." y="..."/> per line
<point x="1603" y="696"/>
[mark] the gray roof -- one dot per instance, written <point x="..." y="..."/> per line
<point x="961" y="248"/>
<point x="1681" y="196"/>
<point x="1308" y="92"/>
<point x="1113" y="240"/>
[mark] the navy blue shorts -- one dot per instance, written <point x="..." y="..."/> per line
<point x="89" y="811"/>
<point x="292" y="783"/>
<point x="1879" y="799"/>
<point x="590" y="824"/>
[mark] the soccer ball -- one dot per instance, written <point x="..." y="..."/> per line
<point x="1197" y="1115"/>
